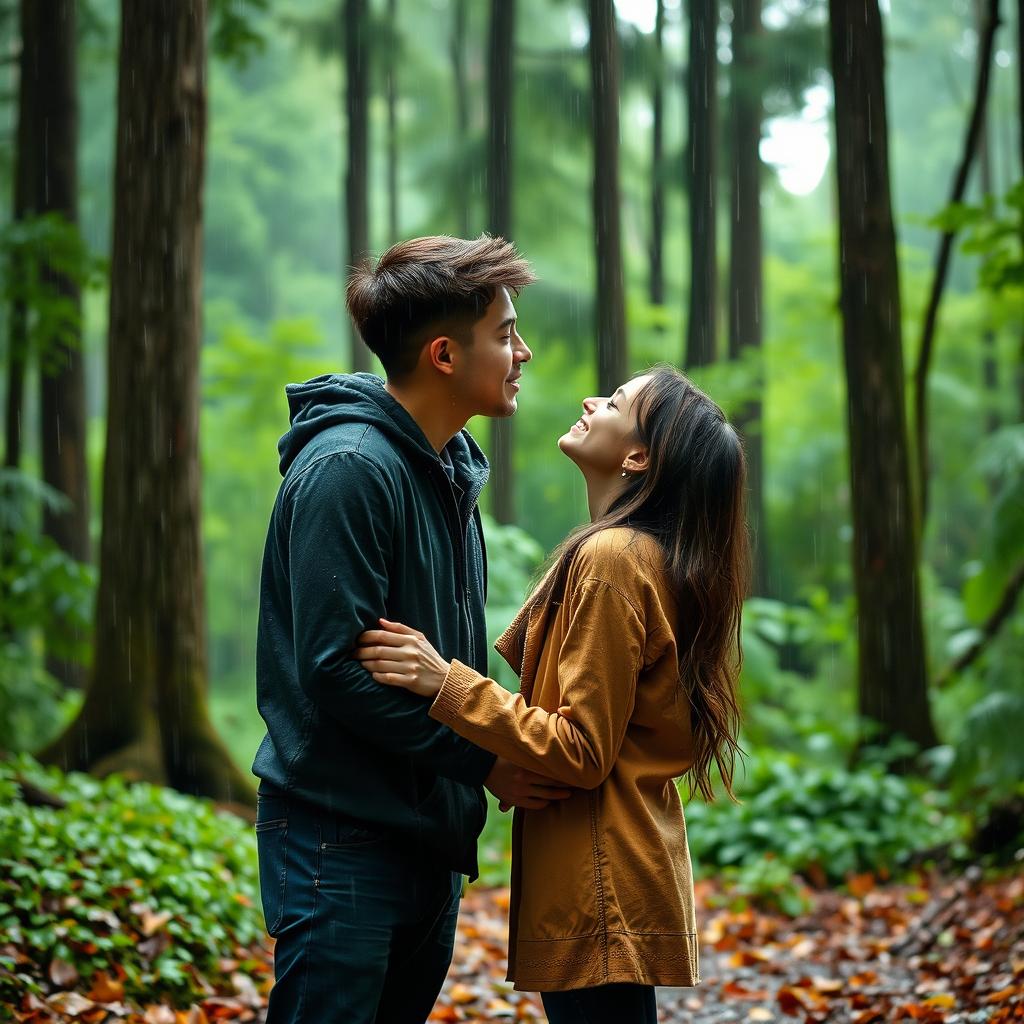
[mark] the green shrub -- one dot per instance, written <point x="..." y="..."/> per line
<point x="822" y="821"/>
<point x="126" y="874"/>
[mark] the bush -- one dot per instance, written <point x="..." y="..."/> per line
<point x="151" y="887"/>
<point x="823" y="822"/>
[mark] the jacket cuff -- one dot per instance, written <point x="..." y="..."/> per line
<point x="447" y="705"/>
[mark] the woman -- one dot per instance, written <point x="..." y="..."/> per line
<point x="628" y="653"/>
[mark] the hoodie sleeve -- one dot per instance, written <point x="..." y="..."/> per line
<point x="340" y="531"/>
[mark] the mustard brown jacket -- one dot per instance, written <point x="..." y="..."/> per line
<point x="602" y="890"/>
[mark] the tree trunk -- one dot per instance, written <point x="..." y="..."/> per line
<point x="145" y="711"/>
<point x="944" y="256"/>
<point x="357" y="94"/>
<point x="656" y="268"/>
<point x="500" y="154"/>
<point x="458" y="57"/>
<point x="392" y="140"/>
<point x="892" y="673"/>
<point x="610" y="298"/>
<point x="54" y="139"/>
<point x="745" y="259"/>
<point x="17" y="346"/>
<point x="989" y="357"/>
<point x="701" y="151"/>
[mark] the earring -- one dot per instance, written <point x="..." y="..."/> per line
<point x="624" y="473"/>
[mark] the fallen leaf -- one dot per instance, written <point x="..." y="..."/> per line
<point x="63" y="974"/>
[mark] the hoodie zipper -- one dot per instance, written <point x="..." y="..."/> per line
<point x="459" y="534"/>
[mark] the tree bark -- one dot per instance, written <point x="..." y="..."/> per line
<point x="892" y="670"/>
<point x="392" y="139"/>
<point x="145" y="710"/>
<point x="54" y="139"/>
<point x="17" y="347"/>
<point x="945" y="254"/>
<point x="701" y="162"/>
<point x="610" y="299"/>
<point x="457" y="53"/>
<point x="656" y="267"/>
<point x="357" y="94"/>
<point x="989" y="357"/>
<point x="745" y="254"/>
<point x="500" y="155"/>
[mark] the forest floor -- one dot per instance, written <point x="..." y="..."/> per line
<point x="943" y="951"/>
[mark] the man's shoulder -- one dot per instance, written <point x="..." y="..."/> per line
<point x="350" y="448"/>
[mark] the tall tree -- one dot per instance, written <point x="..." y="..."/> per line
<point x="745" y="250"/>
<point x="500" y="155"/>
<point x="145" y="710"/>
<point x="391" y="90"/>
<point x="17" y="342"/>
<point x="610" y="299"/>
<point x="989" y="357"/>
<point x="701" y="169"/>
<point x="457" y="52"/>
<point x="944" y="255"/>
<point x="357" y="97"/>
<point x="892" y="670"/>
<point x="656" y="269"/>
<point x="54" y="162"/>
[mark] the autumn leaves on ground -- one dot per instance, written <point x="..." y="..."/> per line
<point x="940" y="951"/>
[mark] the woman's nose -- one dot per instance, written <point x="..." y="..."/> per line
<point x="590" y="404"/>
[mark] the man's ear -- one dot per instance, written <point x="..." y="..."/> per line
<point x="638" y="460"/>
<point x="439" y="353"/>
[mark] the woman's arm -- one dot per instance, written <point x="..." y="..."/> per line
<point x="598" y="665"/>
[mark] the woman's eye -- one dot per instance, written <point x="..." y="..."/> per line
<point x="611" y="404"/>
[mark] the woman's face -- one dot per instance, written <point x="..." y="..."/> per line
<point x="605" y="434"/>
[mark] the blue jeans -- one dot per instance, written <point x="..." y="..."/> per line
<point x="364" y="932"/>
<point x="603" y="1004"/>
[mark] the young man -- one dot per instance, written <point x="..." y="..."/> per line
<point x="369" y="811"/>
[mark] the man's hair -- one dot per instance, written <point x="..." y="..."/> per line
<point x="429" y="286"/>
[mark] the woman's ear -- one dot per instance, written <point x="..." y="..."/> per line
<point x="637" y="461"/>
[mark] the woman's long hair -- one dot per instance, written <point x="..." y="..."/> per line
<point x="691" y="500"/>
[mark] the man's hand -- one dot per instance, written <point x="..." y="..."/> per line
<point x="517" y="787"/>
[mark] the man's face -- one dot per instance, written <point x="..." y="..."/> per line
<point x="488" y="369"/>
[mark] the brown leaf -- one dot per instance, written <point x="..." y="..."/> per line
<point x="63" y="974"/>
<point x="106" y="989"/>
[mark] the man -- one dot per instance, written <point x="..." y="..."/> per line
<point x="370" y="811"/>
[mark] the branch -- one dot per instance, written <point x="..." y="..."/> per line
<point x="992" y="626"/>
<point x="942" y="259"/>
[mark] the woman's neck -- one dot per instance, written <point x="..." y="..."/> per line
<point x="601" y="492"/>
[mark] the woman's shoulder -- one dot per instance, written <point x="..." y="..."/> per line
<point x="620" y="555"/>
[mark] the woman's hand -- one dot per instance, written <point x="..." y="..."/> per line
<point x="399" y="656"/>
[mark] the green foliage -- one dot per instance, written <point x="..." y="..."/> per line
<point x="133" y="875"/>
<point x="512" y="560"/>
<point x="995" y="234"/>
<point x="824" y="821"/>
<point x="45" y="593"/>
<point x="36" y="254"/>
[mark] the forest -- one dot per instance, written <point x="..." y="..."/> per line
<point x="815" y="208"/>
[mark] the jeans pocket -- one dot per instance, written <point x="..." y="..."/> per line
<point x="271" y="840"/>
<point x="344" y="836"/>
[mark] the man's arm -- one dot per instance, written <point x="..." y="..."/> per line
<point x="340" y="534"/>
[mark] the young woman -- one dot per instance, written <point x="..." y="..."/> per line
<point x="628" y="653"/>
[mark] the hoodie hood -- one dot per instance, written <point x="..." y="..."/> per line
<point x="329" y="400"/>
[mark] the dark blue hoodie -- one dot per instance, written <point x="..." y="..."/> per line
<point x="370" y="522"/>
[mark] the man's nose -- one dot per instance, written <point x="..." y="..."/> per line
<point x="523" y="353"/>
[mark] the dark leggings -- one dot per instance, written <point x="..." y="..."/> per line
<point x="604" y="1004"/>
